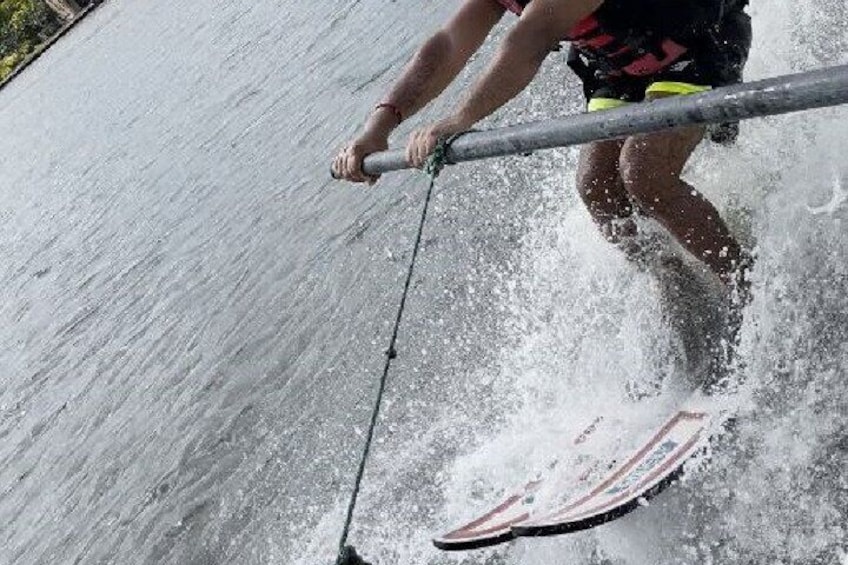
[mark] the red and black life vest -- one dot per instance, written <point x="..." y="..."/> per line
<point x="641" y="38"/>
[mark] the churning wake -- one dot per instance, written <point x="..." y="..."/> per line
<point x="588" y="335"/>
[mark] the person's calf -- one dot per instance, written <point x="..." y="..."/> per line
<point x="650" y="166"/>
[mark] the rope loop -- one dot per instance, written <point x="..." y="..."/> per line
<point x="439" y="157"/>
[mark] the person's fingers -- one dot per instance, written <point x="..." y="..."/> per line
<point x="410" y="148"/>
<point x="424" y="148"/>
<point x="349" y="165"/>
<point x="420" y="152"/>
<point x="357" y="155"/>
<point x="420" y="146"/>
<point x="418" y="149"/>
<point x="413" y="150"/>
<point x="338" y="166"/>
<point x="429" y="146"/>
<point x="343" y="163"/>
<point x="351" y="172"/>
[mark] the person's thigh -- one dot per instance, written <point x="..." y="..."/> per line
<point x="651" y="164"/>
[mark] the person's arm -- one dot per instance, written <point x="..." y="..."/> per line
<point x="444" y="55"/>
<point x="431" y="70"/>
<point x="541" y="27"/>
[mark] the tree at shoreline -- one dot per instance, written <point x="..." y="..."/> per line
<point x="24" y="25"/>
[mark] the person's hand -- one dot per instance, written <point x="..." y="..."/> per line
<point x="348" y="163"/>
<point x="423" y="141"/>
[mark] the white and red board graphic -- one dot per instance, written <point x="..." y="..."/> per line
<point x="494" y="526"/>
<point x="645" y="473"/>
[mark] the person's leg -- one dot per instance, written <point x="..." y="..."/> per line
<point x="600" y="186"/>
<point x="650" y="166"/>
<point x="598" y="176"/>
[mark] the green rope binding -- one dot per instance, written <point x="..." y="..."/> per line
<point x="439" y="158"/>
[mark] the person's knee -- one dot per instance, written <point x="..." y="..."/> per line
<point x="604" y="196"/>
<point x="595" y="185"/>
<point x="594" y="176"/>
<point x="599" y="185"/>
<point x="651" y="165"/>
<point x="645" y="177"/>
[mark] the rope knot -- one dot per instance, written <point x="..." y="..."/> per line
<point x="439" y="158"/>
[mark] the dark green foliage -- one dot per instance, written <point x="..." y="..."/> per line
<point x="24" y="25"/>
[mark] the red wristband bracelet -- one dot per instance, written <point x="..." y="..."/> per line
<point x="394" y="109"/>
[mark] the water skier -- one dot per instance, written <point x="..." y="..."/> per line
<point x="624" y="53"/>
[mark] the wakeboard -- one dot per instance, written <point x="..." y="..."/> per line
<point x="495" y="525"/>
<point x="597" y="498"/>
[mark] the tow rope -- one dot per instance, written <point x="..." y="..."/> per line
<point x="435" y="163"/>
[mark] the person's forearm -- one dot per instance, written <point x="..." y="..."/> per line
<point x="518" y="60"/>
<point x="432" y="69"/>
<point x="542" y="26"/>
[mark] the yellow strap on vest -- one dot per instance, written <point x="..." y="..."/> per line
<point x="597" y="104"/>
<point x="671" y="87"/>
